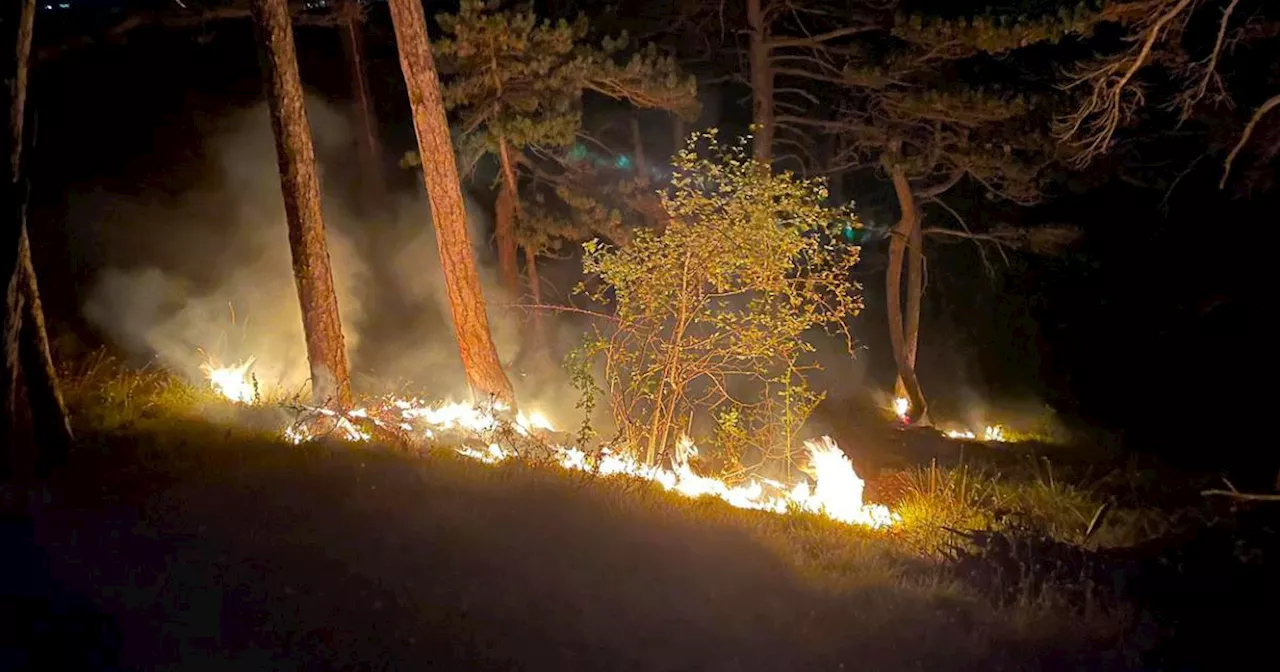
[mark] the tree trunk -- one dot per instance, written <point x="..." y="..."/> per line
<point x="915" y="294"/>
<point x="44" y="396"/>
<point x="678" y="134"/>
<point x="915" y="289"/>
<point x="372" y="182"/>
<point x="761" y="83"/>
<point x="300" y="186"/>
<point x="25" y="342"/>
<point x="448" y="215"/>
<point x="637" y="139"/>
<point x="505" y="224"/>
<point x="903" y="234"/>
<point x="537" y="322"/>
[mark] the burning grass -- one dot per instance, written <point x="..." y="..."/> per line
<point x="580" y="553"/>
<point x="914" y="579"/>
<point x="981" y="570"/>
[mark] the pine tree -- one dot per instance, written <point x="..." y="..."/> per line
<point x="914" y="107"/>
<point x="300" y="186"/>
<point x="26" y="345"/>
<point x="448" y="214"/>
<point x="517" y="83"/>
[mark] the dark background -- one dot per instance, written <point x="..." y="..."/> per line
<point x="1147" y="329"/>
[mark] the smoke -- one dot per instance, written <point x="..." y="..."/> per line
<point x="207" y="270"/>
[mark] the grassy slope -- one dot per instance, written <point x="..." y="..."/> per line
<point x="205" y="546"/>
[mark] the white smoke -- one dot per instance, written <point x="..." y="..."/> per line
<point x="211" y="272"/>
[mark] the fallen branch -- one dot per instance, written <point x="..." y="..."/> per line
<point x="1243" y="496"/>
<point x="1233" y="493"/>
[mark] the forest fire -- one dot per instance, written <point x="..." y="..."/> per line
<point x="990" y="433"/>
<point x="232" y="382"/>
<point x="993" y="433"/>
<point x="901" y="406"/>
<point x="491" y="436"/>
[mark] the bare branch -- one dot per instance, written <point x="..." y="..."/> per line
<point x="805" y="74"/>
<point x="942" y="187"/>
<point x="982" y="253"/>
<point x="1189" y="99"/>
<point x="1113" y="94"/>
<point x="1243" y="496"/>
<point x="819" y="39"/>
<point x="1262" y="110"/>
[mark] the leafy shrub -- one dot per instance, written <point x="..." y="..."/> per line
<point x="711" y="312"/>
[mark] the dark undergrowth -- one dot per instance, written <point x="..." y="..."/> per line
<point x="186" y="534"/>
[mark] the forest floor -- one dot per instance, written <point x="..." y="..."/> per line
<point x="186" y="543"/>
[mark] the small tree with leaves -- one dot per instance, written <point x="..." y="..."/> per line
<point x="711" y="313"/>
<point x="517" y="83"/>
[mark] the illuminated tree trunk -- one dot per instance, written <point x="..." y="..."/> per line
<point x="448" y="215"/>
<point x="300" y="187"/>
<point x="26" y="345"/>
<point x="761" y="82"/>
<point x="505" y="223"/>
<point x="372" y="182"/>
<point x="905" y="234"/>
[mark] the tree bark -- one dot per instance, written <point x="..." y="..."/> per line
<point x="372" y="181"/>
<point x="300" y="187"/>
<point x="537" y="322"/>
<point x="25" y="341"/>
<point x="637" y="140"/>
<point x="448" y="215"/>
<point x="904" y="233"/>
<point x="915" y="289"/>
<point x="44" y="395"/>
<point x="505" y="222"/>
<point x="761" y="83"/>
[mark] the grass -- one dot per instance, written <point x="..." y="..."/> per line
<point x="532" y="563"/>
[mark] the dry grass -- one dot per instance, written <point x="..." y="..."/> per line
<point x="696" y="580"/>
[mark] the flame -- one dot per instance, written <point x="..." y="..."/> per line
<point x="992" y="433"/>
<point x="232" y="382"/>
<point x="485" y="435"/>
<point x="901" y="406"/>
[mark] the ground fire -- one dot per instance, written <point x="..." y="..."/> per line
<point x="494" y="435"/>
<point x="990" y="433"/>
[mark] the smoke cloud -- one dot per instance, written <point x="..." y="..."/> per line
<point x="207" y="271"/>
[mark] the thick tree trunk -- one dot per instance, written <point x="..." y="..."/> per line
<point x="505" y="223"/>
<point x="300" y="186"/>
<point x="372" y="182"/>
<point x="25" y="342"/>
<point x="448" y="215"/>
<point x="761" y="82"/>
<point x="678" y="134"/>
<point x="903" y="234"/>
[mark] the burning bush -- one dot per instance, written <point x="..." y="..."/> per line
<point x="711" y="312"/>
